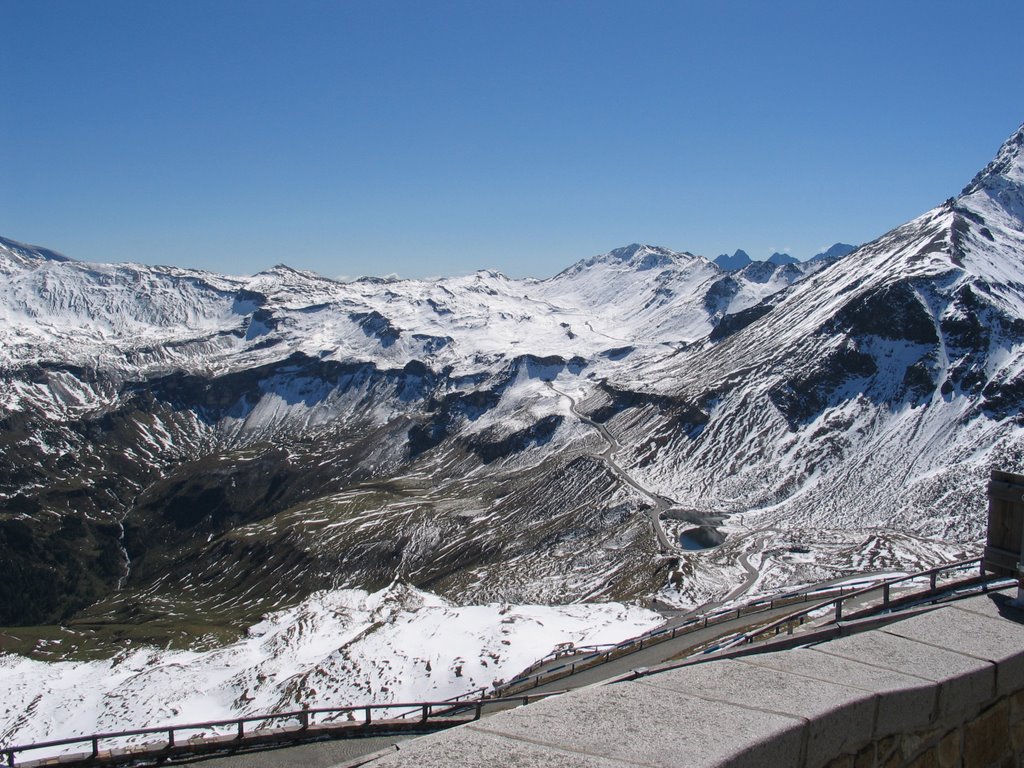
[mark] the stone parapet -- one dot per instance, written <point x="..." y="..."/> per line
<point x="942" y="688"/>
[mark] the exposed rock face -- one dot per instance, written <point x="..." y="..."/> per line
<point x="181" y="443"/>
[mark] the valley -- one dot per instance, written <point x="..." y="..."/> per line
<point x="236" y="493"/>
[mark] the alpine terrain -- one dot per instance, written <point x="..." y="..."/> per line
<point x="227" y="494"/>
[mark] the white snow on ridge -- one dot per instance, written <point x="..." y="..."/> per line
<point x="807" y="429"/>
<point x="140" y="318"/>
<point x="335" y="649"/>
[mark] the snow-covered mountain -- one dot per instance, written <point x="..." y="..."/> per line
<point x="833" y="252"/>
<point x="738" y="260"/>
<point x="782" y="259"/>
<point x="184" y="452"/>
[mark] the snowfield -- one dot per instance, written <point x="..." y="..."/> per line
<point x="425" y="485"/>
<point x="336" y="648"/>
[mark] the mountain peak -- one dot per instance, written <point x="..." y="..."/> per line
<point x="1001" y="182"/>
<point x="1007" y="165"/>
<point x="1007" y="168"/>
<point x="738" y="260"/>
<point x="637" y="256"/>
<point x="782" y="259"/>
<point x="835" y="251"/>
<point x="635" y="251"/>
<point x="22" y="255"/>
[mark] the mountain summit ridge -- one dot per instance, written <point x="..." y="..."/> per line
<point x="174" y="441"/>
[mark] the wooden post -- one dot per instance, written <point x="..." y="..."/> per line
<point x="479" y="709"/>
<point x="932" y="577"/>
<point x="426" y="712"/>
<point x="170" y="738"/>
<point x="95" y="747"/>
<point x="367" y="716"/>
<point x="839" y="609"/>
<point x="1004" y="548"/>
<point x="885" y="594"/>
<point x="241" y="730"/>
<point x="304" y="717"/>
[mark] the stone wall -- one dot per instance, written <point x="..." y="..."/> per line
<point x="993" y="739"/>
<point x="940" y="688"/>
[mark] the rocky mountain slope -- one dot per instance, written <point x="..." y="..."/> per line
<point x="182" y="453"/>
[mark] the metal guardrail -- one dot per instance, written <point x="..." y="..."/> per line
<point x="593" y="655"/>
<point x="437" y="710"/>
<point x="473" y="695"/>
<point x="359" y="718"/>
<point x="861" y="620"/>
<point x="837" y="605"/>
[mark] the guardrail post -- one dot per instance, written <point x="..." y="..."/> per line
<point x="241" y="730"/>
<point x="479" y="709"/>
<point x="885" y="594"/>
<point x="367" y="716"/>
<point x="839" y="609"/>
<point x="170" y="738"/>
<point x="426" y="713"/>
<point x="304" y="718"/>
<point x="95" y="748"/>
<point x="10" y="757"/>
<point x="932" y="578"/>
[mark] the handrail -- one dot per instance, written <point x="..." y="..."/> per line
<point x="303" y="715"/>
<point x="885" y="585"/>
<point x="596" y="658"/>
<point x="661" y="634"/>
<point x="476" y="693"/>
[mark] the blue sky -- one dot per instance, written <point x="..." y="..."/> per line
<point x="429" y="138"/>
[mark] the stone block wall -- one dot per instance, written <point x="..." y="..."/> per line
<point x="992" y="739"/>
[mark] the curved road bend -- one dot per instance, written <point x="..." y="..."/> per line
<point x="749" y="580"/>
<point x="612" y="447"/>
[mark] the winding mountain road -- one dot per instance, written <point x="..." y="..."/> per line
<point x="661" y="503"/>
<point x="751" y="572"/>
<point x="612" y="447"/>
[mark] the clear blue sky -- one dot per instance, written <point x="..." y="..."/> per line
<point x="427" y="138"/>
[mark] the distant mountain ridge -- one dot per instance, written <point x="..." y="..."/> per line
<point x="182" y="453"/>
<point x="836" y="251"/>
<point x="740" y="259"/>
<point x="15" y="255"/>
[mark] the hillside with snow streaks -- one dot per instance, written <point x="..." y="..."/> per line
<point x="334" y="649"/>
<point x="184" y="453"/>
